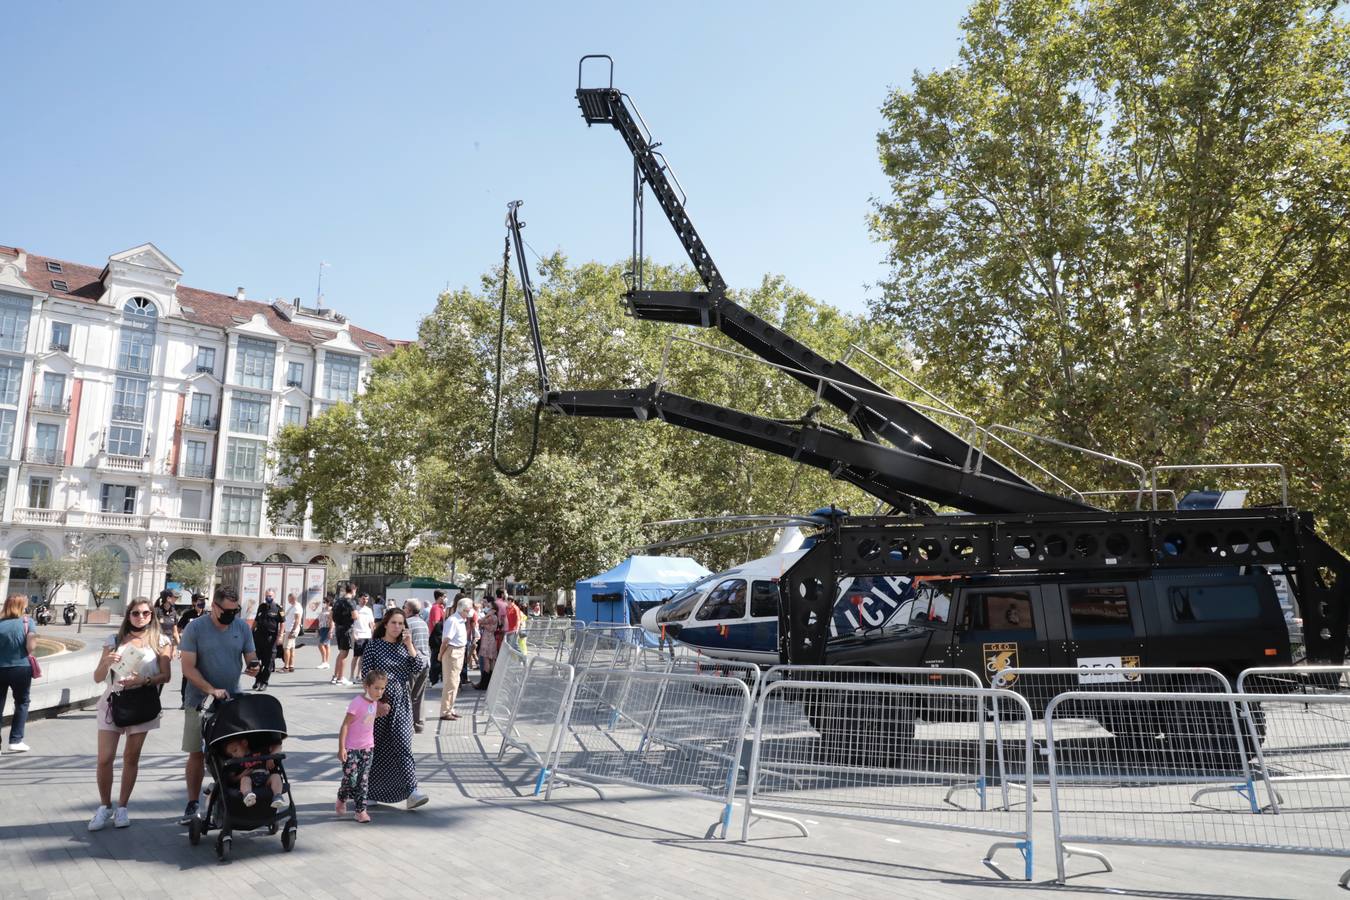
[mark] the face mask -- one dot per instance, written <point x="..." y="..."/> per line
<point x="135" y="629"/>
<point x="227" y="615"/>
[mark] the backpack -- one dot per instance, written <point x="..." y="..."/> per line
<point x="342" y="612"/>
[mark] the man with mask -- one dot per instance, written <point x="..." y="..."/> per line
<point x="198" y="608"/>
<point x="266" y="638"/>
<point x="212" y="648"/>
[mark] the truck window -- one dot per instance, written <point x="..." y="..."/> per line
<point x="1001" y="611"/>
<point x="1214" y="603"/>
<point x="1099" y="611"/>
<point x="727" y="601"/>
<point x="763" y="599"/>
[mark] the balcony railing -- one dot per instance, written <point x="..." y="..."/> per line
<point x="200" y="423"/>
<point x="29" y="516"/>
<point x="63" y="346"/>
<point x="124" y="413"/>
<point x="123" y="463"/>
<point x="41" y="456"/>
<point x="49" y="404"/>
<point x="206" y="370"/>
<point x="184" y="526"/>
<point x="121" y="521"/>
<point x="288" y="531"/>
<point x="194" y="470"/>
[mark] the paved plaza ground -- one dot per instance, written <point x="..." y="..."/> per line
<point x="484" y="835"/>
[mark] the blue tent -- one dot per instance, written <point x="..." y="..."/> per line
<point x="638" y="580"/>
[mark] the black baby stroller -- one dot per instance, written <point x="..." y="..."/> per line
<point x="258" y="719"/>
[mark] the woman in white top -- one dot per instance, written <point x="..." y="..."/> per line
<point x="290" y="630"/>
<point x="138" y="655"/>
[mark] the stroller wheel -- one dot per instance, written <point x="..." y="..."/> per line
<point x="195" y="831"/>
<point x="288" y="838"/>
<point x="272" y="829"/>
<point x="223" y="847"/>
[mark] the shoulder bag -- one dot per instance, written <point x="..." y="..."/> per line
<point x="32" y="660"/>
<point x="134" y="706"/>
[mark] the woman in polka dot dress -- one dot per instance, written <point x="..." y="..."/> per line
<point x="393" y="772"/>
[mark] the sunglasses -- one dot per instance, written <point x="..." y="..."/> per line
<point x="140" y="612"/>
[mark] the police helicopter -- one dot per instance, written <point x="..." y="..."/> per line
<point x="733" y="614"/>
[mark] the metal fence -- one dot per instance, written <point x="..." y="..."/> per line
<point x="536" y="717"/>
<point x="553" y="638"/>
<point x="895" y="753"/>
<point x="1290" y="753"/>
<point x="508" y="679"/>
<point x="663" y="732"/>
<point x="600" y="647"/>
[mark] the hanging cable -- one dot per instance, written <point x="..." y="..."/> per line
<point x="501" y="339"/>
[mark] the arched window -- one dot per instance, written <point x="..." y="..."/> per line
<point x="140" y="309"/>
<point x="278" y="557"/>
<point x="185" y="553"/>
<point x="230" y="558"/>
<point x="23" y="556"/>
<point x="320" y="560"/>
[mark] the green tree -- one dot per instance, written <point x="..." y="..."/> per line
<point x="193" y="574"/>
<point x="52" y="574"/>
<point x="1123" y="224"/>
<point x="101" y="573"/>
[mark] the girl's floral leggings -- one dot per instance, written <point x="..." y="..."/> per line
<point x="355" y="777"/>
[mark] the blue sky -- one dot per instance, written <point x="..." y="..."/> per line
<point x="251" y="141"/>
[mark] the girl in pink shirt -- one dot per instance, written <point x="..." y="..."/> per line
<point x="356" y="741"/>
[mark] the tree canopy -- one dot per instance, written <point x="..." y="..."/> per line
<point x="1123" y="224"/>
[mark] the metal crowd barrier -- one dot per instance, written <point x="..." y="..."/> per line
<point x="508" y="679"/>
<point x="856" y="750"/>
<point x="536" y="717"/>
<point x="551" y="637"/>
<point x="1294" y="750"/>
<point x="662" y="732"/>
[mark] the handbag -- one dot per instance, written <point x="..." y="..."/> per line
<point x="32" y="660"/>
<point x="134" y="706"/>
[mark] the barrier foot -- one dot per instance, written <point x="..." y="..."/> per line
<point x="1068" y="850"/>
<point x="1022" y="847"/>
<point x="1345" y="879"/>
<point x="723" y="823"/>
<point x="539" y="782"/>
<point x="1245" y="790"/>
<point x="774" y="817"/>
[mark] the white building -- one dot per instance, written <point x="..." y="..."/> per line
<point x="135" y="415"/>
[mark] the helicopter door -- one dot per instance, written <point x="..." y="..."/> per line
<point x="1105" y="626"/>
<point x="998" y="628"/>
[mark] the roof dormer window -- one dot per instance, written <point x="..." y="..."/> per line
<point x="59" y="285"/>
<point x="53" y="267"/>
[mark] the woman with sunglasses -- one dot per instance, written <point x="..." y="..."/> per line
<point x="137" y="655"/>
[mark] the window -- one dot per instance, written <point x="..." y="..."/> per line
<point x="60" y="336"/>
<point x="195" y="463"/>
<point x="763" y="599"/>
<point x="11" y="377"/>
<point x="129" y="399"/>
<point x="254" y="361"/>
<point x="290" y="415"/>
<point x="244" y="460"/>
<point x="339" y="376"/>
<point x="54" y="267"/>
<point x="240" y="511"/>
<point x="137" y="342"/>
<point x="53" y="390"/>
<point x="1099" y="611"/>
<point x="206" y="360"/>
<point x="7" y="420"/>
<point x="199" y="413"/>
<point x="45" y="441"/>
<point x="191" y="505"/>
<point x="1214" y="603"/>
<point x="118" y="498"/>
<point x="1001" y="611"/>
<point x="295" y="375"/>
<point x="249" y="413"/>
<point x="727" y="601"/>
<point x="39" y="493"/>
<point x="124" y="440"/>
<point x="60" y="285"/>
<point x="14" y="315"/>
<point x="677" y="609"/>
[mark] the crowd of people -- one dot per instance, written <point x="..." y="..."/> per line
<point x="393" y="656"/>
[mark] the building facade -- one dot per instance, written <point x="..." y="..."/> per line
<point x="136" y="416"/>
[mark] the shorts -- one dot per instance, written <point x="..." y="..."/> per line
<point x="289" y="643"/>
<point x="323" y="635"/>
<point x="192" y="730"/>
<point x="359" y="646"/>
<point x="344" y="638"/>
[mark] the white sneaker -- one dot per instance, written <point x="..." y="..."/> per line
<point x="321" y="666"/>
<point x="250" y="798"/>
<point x="281" y="801"/>
<point x="121" y="818"/>
<point x="417" y="799"/>
<point x="100" y="819"/>
<point x="20" y="747"/>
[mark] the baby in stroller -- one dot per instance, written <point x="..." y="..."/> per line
<point x="242" y="738"/>
<point x="254" y="774"/>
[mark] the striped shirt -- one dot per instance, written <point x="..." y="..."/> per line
<point x="420" y="636"/>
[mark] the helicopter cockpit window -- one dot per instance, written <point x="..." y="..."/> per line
<point x="727" y="601"/>
<point x="678" y="609"/>
<point x="763" y="599"/>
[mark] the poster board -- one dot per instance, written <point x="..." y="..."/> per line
<point x="316" y="578"/>
<point x="273" y="579"/>
<point x="250" y="590"/>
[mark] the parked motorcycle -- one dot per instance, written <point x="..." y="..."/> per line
<point x="43" y="613"/>
<point x="68" y="614"/>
